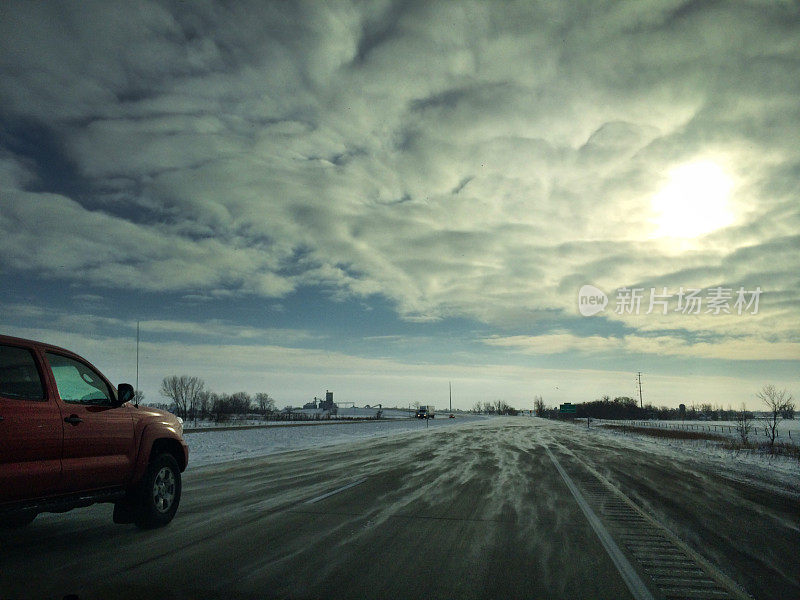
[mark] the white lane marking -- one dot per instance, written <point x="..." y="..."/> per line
<point x="336" y="491"/>
<point x="626" y="570"/>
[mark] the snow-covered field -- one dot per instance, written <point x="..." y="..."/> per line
<point x="343" y="414"/>
<point x="220" y="445"/>
<point x="788" y="430"/>
<point x="742" y="465"/>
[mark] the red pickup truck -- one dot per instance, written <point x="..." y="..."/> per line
<point x="68" y="438"/>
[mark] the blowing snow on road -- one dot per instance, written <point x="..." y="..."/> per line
<point x="485" y="508"/>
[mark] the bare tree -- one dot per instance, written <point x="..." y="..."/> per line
<point x="538" y="406"/>
<point x="138" y="397"/>
<point x="183" y="391"/>
<point x="219" y="405"/>
<point x="477" y="408"/>
<point x="778" y="402"/>
<point x="744" y="423"/>
<point x="240" y="403"/>
<point x="204" y="403"/>
<point x="265" y="402"/>
<point x="503" y="408"/>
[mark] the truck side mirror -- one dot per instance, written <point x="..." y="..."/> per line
<point x="124" y="393"/>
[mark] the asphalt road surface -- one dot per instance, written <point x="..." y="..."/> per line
<point x="503" y="508"/>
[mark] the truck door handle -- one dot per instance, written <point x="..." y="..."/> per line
<point x="73" y="419"/>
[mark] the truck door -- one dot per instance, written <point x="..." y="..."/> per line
<point x="30" y="428"/>
<point x="98" y="437"/>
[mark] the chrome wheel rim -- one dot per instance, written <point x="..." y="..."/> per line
<point x="164" y="490"/>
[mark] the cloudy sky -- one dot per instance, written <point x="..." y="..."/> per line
<point x="380" y="197"/>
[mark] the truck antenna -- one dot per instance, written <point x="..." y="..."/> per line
<point x="136" y="393"/>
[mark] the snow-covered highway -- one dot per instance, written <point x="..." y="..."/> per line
<point x="476" y="509"/>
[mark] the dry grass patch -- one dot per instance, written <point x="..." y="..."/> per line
<point x="780" y="449"/>
<point x="673" y="434"/>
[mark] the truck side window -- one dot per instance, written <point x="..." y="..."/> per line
<point x="19" y="377"/>
<point x="76" y="382"/>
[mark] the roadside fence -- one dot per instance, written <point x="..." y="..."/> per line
<point x="757" y="429"/>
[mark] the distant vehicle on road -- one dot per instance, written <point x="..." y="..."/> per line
<point x="452" y="416"/>
<point x="426" y="412"/>
<point x="69" y="439"/>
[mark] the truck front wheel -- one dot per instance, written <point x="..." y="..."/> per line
<point x="160" y="492"/>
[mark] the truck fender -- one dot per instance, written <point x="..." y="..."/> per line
<point x="162" y="440"/>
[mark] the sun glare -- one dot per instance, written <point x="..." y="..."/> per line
<point x="693" y="202"/>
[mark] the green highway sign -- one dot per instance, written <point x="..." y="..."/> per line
<point x="568" y="408"/>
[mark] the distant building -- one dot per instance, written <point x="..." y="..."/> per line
<point x="328" y="403"/>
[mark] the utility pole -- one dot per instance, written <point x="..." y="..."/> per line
<point x="639" y="378"/>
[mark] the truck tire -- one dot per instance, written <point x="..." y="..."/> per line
<point x="160" y="492"/>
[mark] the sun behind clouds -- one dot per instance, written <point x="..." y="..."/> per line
<point x="694" y="202"/>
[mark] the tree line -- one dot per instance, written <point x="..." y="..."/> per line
<point x="498" y="407"/>
<point x="626" y="408"/>
<point x="191" y="400"/>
